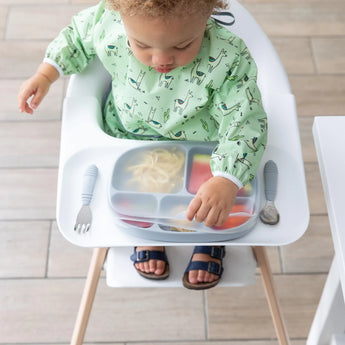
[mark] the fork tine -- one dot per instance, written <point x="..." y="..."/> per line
<point x="82" y="228"/>
<point x="84" y="217"/>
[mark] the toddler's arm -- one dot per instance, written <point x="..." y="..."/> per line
<point x="36" y="86"/>
<point x="213" y="202"/>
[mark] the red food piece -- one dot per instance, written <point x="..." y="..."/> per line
<point x="138" y="223"/>
<point x="234" y="220"/>
<point x="200" y="172"/>
<point x="238" y="208"/>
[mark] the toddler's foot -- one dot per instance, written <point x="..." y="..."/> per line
<point x="205" y="268"/>
<point x="151" y="262"/>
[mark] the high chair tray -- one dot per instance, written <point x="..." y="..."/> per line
<point x="106" y="232"/>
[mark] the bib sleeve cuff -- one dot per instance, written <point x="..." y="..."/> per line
<point x="54" y="64"/>
<point x="232" y="178"/>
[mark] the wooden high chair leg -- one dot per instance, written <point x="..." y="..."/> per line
<point x="267" y="278"/>
<point x="95" y="268"/>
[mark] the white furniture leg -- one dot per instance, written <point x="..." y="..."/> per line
<point x="95" y="268"/>
<point x="330" y="314"/>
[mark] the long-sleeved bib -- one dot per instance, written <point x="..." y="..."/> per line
<point x="214" y="98"/>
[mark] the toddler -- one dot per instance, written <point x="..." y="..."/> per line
<point x="176" y="75"/>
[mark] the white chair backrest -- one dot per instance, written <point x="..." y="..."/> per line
<point x="272" y="77"/>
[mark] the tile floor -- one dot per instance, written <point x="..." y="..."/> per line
<point x="41" y="275"/>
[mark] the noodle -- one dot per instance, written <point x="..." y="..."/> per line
<point x="159" y="171"/>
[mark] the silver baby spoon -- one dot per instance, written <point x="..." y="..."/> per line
<point x="269" y="214"/>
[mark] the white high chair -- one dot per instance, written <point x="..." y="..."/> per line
<point x="83" y="143"/>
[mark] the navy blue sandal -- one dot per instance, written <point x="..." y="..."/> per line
<point x="146" y="255"/>
<point x="208" y="266"/>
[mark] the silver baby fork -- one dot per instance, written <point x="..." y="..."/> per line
<point x="84" y="218"/>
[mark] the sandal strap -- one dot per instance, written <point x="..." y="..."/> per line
<point x="146" y="255"/>
<point x="210" y="266"/>
<point x="214" y="252"/>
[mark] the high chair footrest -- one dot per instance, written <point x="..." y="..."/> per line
<point x="239" y="267"/>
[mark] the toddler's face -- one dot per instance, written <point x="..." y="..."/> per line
<point x="165" y="44"/>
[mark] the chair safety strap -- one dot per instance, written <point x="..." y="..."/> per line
<point x="225" y="14"/>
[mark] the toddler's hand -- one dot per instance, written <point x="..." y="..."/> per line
<point x="213" y="202"/>
<point x="37" y="86"/>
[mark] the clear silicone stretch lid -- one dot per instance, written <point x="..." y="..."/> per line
<point x="156" y="183"/>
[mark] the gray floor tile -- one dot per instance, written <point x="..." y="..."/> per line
<point x="319" y="95"/>
<point x="242" y="313"/>
<point x="66" y="259"/>
<point x="27" y="193"/>
<point x="26" y="56"/>
<point x="49" y="109"/>
<point x="112" y="343"/>
<point x="132" y="315"/>
<point x="300" y="19"/>
<point x="317" y="204"/>
<point x="86" y="2"/>
<point x="32" y="2"/>
<point x="44" y="22"/>
<point x="302" y="62"/>
<point x="118" y="314"/>
<point x="3" y="16"/>
<point x="103" y="343"/>
<point x="329" y="54"/>
<point x="39" y="310"/>
<point x="29" y="144"/>
<point x="23" y="249"/>
<point x="234" y="342"/>
<point x="284" y="1"/>
<point x="307" y="139"/>
<point x="306" y="254"/>
<point x="299" y="296"/>
<point x="239" y="313"/>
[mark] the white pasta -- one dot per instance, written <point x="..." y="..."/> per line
<point x="159" y="171"/>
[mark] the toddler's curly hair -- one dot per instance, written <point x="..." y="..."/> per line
<point x="164" y="8"/>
